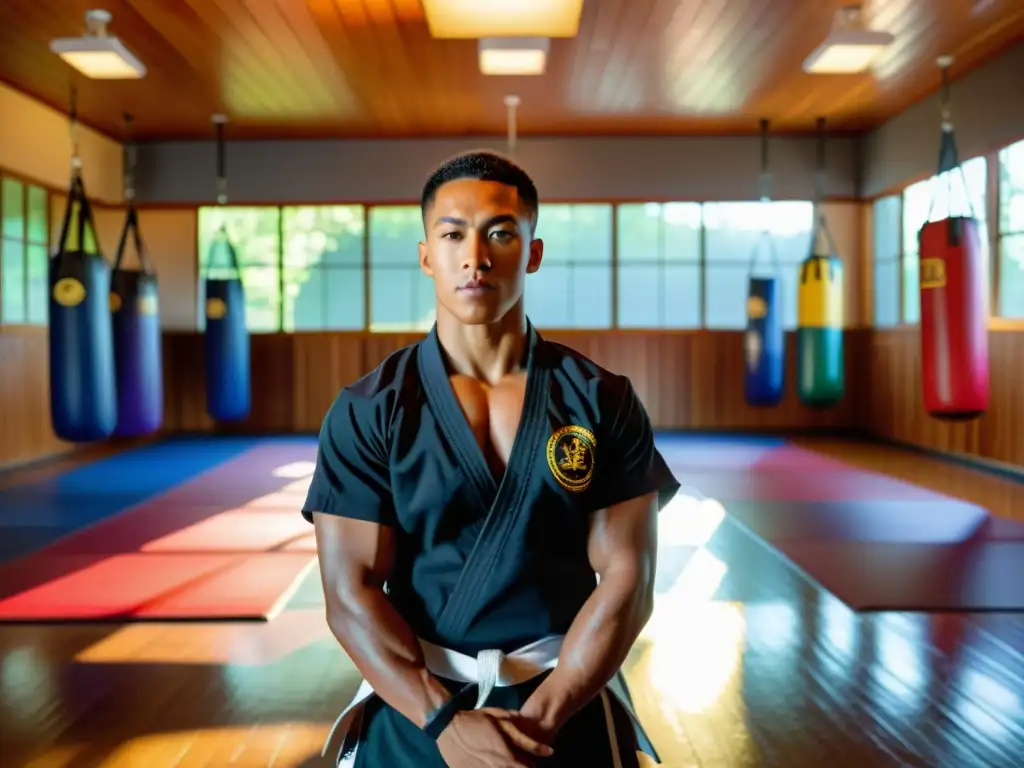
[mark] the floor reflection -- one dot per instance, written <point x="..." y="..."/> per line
<point x="745" y="663"/>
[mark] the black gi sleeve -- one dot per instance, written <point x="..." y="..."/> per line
<point x="352" y="476"/>
<point x="630" y="464"/>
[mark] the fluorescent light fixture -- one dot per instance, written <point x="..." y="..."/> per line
<point x="470" y="19"/>
<point x="98" y="55"/>
<point x="513" y="55"/>
<point x="849" y="48"/>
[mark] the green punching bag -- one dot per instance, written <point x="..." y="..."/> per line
<point x="821" y="375"/>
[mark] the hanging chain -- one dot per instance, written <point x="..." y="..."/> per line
<point x="819" y="176"/>
<point x="222" y="177"/>
<point x="949" y="159"/>
<point x="819" y="196"/>
<point x="766" y="176"/>
<point x="511" y="104"/>
<point x="73" y="129"/>
<point x="946" y="112"/>
<point x="945" y="102"/>
<point x="130" y="160"/>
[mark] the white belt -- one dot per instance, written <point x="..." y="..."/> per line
<point x="493" y="669"/>
<point x="490" y="669"/>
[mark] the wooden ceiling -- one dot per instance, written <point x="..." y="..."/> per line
<point x="345" y="68"/>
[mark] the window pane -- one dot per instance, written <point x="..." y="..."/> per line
<point x="916" y="200"/>
<point x="12" y="268"/>
<point x="727" y="295"/>
<point x="659" y="296"/>
<point x="395" y="234"/>
<point x="1011" y="188"/>
<point x="323" y="273"/>
<point x="911" y="295"/>
<point x="639" y="233"/>
<point x="887" y="293"/>
<point x="401" y="299"/>
<point x="734" y="233"/>
<point x="262" y="299"/>
<point x="549" y="298"/>
<point x="254" y="232"/>
<point x="323" y="299"/>
<point x="1011" y="276"/>
<point x="330" y="234"/>
<point x="38" y="264"/>
<point x="13" y="194"/>
<point x="38" y="200"/>
<point x="573" y="287"/>
<point x="682" y="229"/>
<point x="886" y="220"/>
<point x="401" y="296"/>
<point x="570" y="296"/>
<point x="682" y="290"/>
<point x="659" y="282"/>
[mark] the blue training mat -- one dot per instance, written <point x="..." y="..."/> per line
<point x="36" y="514"/>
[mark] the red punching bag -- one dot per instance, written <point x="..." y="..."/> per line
<point x="954" y="303"/>
<point x="954" y="319"/>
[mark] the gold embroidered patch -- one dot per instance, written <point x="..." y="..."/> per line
<point x="571" y="457"/>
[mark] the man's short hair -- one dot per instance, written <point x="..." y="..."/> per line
<point x="485" y="166"/>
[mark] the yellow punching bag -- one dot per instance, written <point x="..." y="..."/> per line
<point x="820" y="371"/>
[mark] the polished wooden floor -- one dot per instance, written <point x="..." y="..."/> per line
<point x="771" y="672"/>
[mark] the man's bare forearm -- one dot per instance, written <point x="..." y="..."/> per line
<point x="386" y="652"/>
<point x="595" y="647"/>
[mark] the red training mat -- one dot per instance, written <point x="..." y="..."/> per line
<point x="212" y="548"/>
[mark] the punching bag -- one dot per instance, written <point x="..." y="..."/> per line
<point x="954" y="310"/>
<point x="137" y="344"/>
<point x="820" y="369"/>
<point x="83" y="392"/>
<point x="765" y="339"/>
<point x="226" y="339"/>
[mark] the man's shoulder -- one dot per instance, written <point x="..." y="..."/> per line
<point x="380" y="388"/>
<point x="604" y="386"/>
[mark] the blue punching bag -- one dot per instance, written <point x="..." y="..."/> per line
<point x="226" y="339"/>
<point x="137" y="344"/>
<point x="765" y="339"/>
<point x="83" y="392"/>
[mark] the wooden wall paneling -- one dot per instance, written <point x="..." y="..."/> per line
<point x="326" y="68"/>
<point x="687" y="380"/>
<point x="185" y="384"/>
<point x="894" y="404"/>
<point x="25" y="430"/>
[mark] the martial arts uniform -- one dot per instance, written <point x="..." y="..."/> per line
<point x="487" y="567"/>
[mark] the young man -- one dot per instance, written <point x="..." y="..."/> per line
<point x="485" y="508"/>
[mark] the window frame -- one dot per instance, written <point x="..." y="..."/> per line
<point x="999" y="236"/>
<point x="26" y="243"/>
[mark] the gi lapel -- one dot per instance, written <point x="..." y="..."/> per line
<point x="502" y="500"/>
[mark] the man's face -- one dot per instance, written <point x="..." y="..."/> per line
<point x="479" y="248"/>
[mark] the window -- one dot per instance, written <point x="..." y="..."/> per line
<point x="323" y="271"/>
<point x="1011" y="231"/>
<point x="887" y="251"/>
<point x="733" y="231"/>
<point x="932" y="200"/>
<point x="256" y="235"/>
<point x="401" y="296"/>
<point x="24" y="257"/>
<point x="573" y="287"/>
<point x="658" y="269"/>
